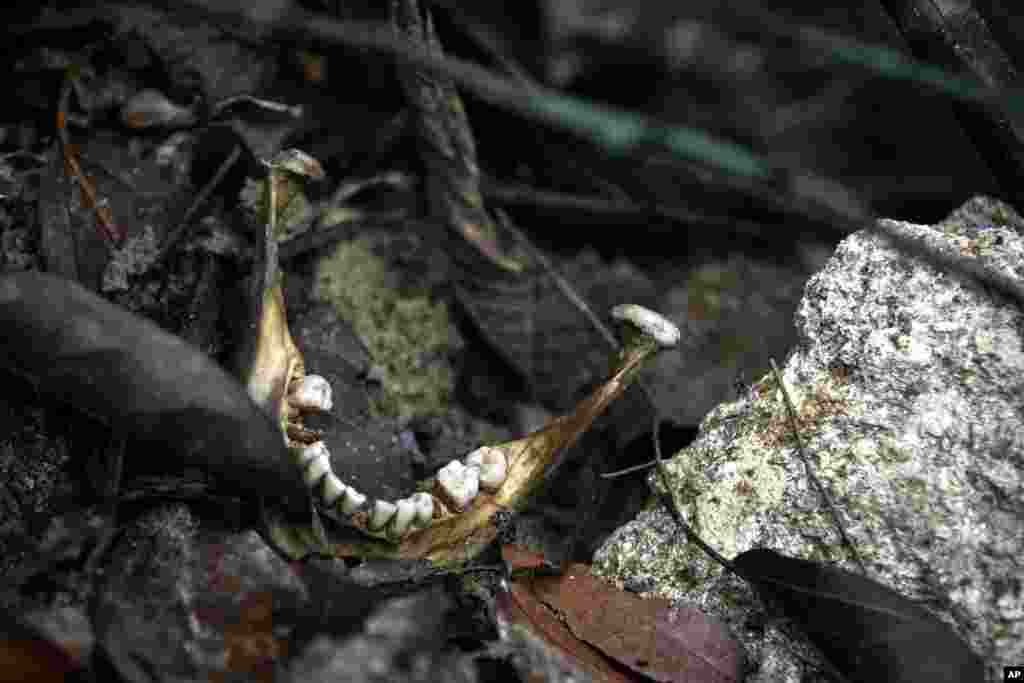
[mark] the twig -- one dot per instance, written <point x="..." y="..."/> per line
<point x="561" y="283"/>
<point x="675" y="510"/>
<point x="346" y="190"/>
<point x="317" y="238"/>
<point x="825" y="497"/>
<point x="115" y="470"/>
<point x="57" y="236"/>
<point x="111" y="233"/>
<point x="294" y="112"/>
<point x="181" y="229"/>
<point x="970" y="268"/>
<point x="523" y="194"/>
<point x="446" y="142"/>
<point x="629" y="470"/>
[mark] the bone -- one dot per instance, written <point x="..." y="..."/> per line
<point x="492" y="464"/>
<point x="458" y="484"/>
<point x="312" y="393"/>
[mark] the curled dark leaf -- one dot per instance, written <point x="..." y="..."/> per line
<point x="125" y="370"/>
<point x="867" y="631"/>
<point x="151" y="109"/>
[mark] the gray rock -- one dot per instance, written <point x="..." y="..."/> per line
<point x="182" y="602"/>
<point x="909" y="385"/>
<point x="403" y="640"/>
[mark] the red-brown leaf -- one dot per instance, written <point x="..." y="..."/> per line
<point x="673" y="644"/>
<point x="518" y="557"/>
<point x="520" y="606"/>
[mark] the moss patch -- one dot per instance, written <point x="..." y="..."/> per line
<point x="409" y="336"/>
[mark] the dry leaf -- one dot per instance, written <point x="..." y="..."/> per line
<point x="674" y="644"/>
<point x="124" y="369"/>
<point x="868" y="631"/>
<point x="517" y="557"/>
<point x="519" y="607"/>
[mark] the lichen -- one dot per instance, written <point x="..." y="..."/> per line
<point x="409" y="335"/>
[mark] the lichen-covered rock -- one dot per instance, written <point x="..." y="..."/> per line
<point x="909" y="386"/>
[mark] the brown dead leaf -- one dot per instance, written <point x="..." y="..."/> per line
<point x="520" y="607"/>
<point x="673" y="644"/>
<point x="517" y="557"/>
<point x="108" y="229"/>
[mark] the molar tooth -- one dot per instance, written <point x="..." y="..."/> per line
<point x="311" y="393"/>
<point x="333" y="489"/>
<point x="404" y="516"/>
<point x="492" y="464"/>
<point x="351" y="501"/>
<point x="459" y="484"/>
<point x="381" y="514"/>
<point x="424" y="504"/>
<point x="317" y="468"/>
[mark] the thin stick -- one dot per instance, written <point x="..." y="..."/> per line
<point x="675" y="510"/>
<point x="825" y="497"/>
<point x="115" y="470"/>
<point x="277" y="107"/>
<point x="181" y="229"/>
<point x="629" y="470"/>
<point x="561" y="283"/>
<point x="109" y="231"/>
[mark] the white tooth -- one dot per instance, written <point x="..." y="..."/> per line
<point x="351" y="501"/>
<point x="404" y="515"/>
<point x="492" y="464"/>
<point x="424" y="503"/>
<point x="381" y="514"/>
<point x="459" y="483"/>
<point x="308" y="453"/>
<point x="313" y="393"/>
<point x="317" y="468"/>
<point x="334" y="488"/>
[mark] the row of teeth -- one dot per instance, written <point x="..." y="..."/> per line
<point x="455" y="488"/>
